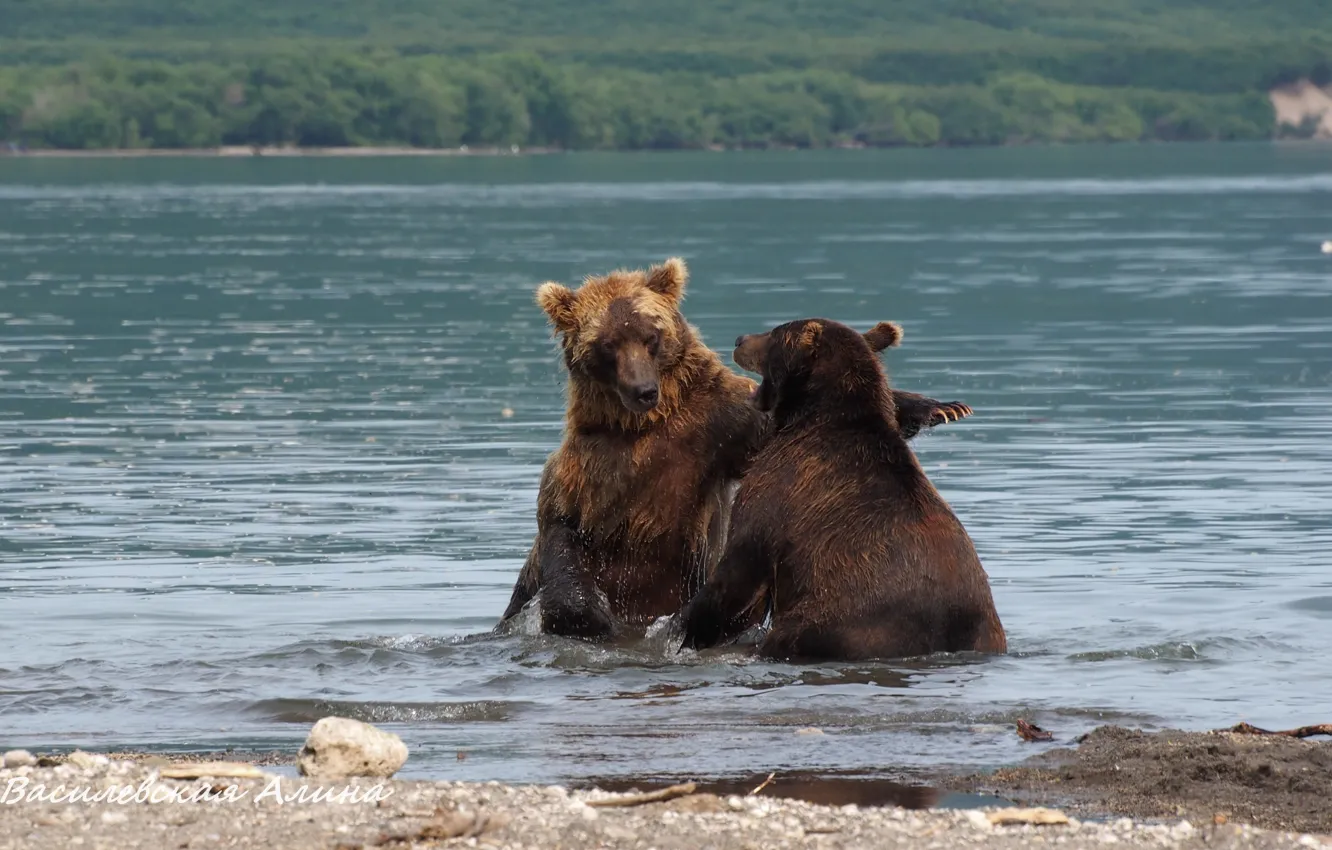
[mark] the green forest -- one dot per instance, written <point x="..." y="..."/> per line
<point x="648" y="74"/>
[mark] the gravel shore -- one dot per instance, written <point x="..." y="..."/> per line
<point x="248" y="807"/>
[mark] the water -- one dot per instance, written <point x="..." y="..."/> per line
<point x="254" y="467"/>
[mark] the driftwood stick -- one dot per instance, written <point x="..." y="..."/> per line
<point x="647" y="797"/>
<point x="1302" y="732"/>
<point x="764" y="784"/>
<point x="1031" y="732"/>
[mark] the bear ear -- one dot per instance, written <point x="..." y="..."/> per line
<point x="558" y="303"/>
<point x="883" y="335"/>
<point x="809" y="335"/>
<point x="669" y="279"/>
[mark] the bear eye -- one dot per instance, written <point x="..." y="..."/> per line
<point x="653" y="340"/>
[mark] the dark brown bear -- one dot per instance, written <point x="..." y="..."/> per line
<point x="632" y="508"/>
<point x="835" y="526"/>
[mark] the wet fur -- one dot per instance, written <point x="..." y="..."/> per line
<point x="835" y="525"/>
<point x="633" y="507"/>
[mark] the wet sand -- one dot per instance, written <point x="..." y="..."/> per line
<point x="1265" y="780"/>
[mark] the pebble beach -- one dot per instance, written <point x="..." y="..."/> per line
<point x="102" y="802"/>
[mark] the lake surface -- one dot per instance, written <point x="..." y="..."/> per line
<point x="255" y="467"/>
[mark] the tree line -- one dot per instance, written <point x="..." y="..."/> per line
<point x="327" y="96"/>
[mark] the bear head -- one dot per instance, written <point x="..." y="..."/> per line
<point x="622" y="331"/>
<point x="810" y="358"/>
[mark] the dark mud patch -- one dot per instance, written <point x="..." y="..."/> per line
<point x="1205" y="777"/>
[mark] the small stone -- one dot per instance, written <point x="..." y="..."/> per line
<point x="1183" y="828"/>
<point x="338" y="747"/>
<point x="507" y="413"/>
<point x="978" y="819"/>
<point x="82" y="760"/>
<point x="19" y="758"/>
<point x="114" y="817"/>
<point x="810" y="730"/>
<point x="734" y="803"/>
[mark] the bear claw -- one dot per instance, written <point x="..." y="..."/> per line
<point x="953" y="411"/>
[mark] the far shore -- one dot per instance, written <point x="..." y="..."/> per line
<point x="373" y="151"/>
<point x="240" y="151"/>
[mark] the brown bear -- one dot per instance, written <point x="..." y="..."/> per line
<point x="632" y="508"/>
<point x="835" y="526"/>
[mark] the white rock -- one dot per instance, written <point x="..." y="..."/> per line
<point x="338" y="747"/>
<point x="978" y="819"/>
<point x="19" y="758"/>
<point x="115" y="817"/>
<point x="82" y="760"/>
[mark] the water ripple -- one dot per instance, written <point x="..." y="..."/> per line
<point x="270" y="449"/>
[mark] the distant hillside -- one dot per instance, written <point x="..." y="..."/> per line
<point x="652" y="25"/>
<point x="649" y="73"/>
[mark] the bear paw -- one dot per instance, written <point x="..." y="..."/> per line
<point x="949" y="411"/>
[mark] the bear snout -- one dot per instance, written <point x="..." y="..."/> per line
<point x="647" y="396"/>
<point x="640" y="397"/>
<point x="749" y="352"/>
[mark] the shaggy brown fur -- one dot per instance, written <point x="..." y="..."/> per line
<point x="835" y="525"/>
<point x="633" y="506"/>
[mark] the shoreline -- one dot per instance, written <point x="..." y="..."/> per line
<point x="232" y="804"/>
<point x="389" y="151"/>
<point x="250" y="152"/>
<point x="1112" y="786"/>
